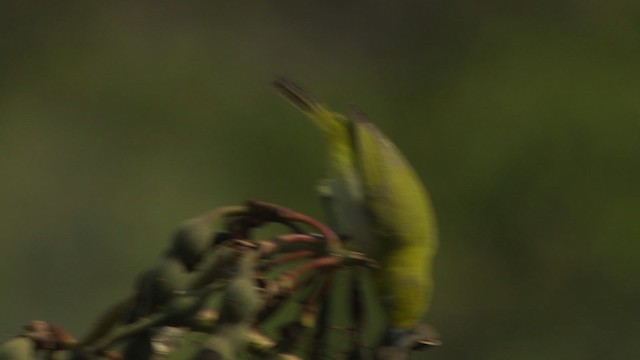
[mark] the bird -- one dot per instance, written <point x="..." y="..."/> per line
<point x="375" y="197"/>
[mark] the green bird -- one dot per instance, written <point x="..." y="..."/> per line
<point x="377" y="200"/>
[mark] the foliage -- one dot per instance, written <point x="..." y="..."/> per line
<point x="253" y="279"/>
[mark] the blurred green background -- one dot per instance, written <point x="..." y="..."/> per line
<point x="119" y="120"/>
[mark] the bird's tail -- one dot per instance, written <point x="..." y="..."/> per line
<point x="334" y="125"/>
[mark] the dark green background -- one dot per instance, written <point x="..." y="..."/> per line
<point x="522" y="117"/>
